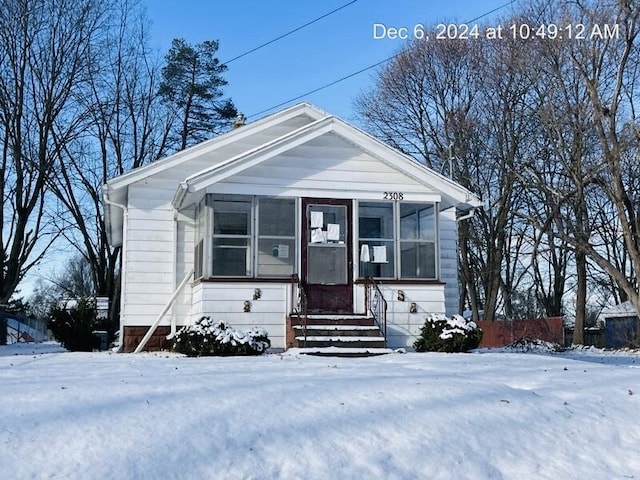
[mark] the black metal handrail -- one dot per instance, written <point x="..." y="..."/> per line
<point x="300" y="306"/>
<point x="376" y="305"/>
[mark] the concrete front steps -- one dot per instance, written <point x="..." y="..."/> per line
<point x="339" y="335"/>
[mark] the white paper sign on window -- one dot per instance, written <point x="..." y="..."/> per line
<point x="333" y="231"/>
<point x="364" y="254"/>
<point x="317" y="219"/>
<point x="283" y="251"/>
<point x="380" y="254"/>
<point x="318" y="236"/>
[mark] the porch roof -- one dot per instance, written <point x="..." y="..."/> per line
<point x="451" y="193"/>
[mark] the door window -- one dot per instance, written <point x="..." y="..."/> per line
<point x="326" y="247"/>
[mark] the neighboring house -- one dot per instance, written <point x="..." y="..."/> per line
<point x="620" y="325"/>
<point x="240" y="226"/>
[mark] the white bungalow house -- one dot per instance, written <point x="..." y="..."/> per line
<point x="280" y="224"/>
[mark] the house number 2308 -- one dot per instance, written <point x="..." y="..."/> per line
<point x="393" y="196"/>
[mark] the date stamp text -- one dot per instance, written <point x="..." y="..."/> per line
<point x="514" y="31"/>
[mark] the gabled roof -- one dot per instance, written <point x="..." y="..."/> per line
<point x="317" y="123"/>
<point x="453" y="194"/>
<point x="115" y="191"/>
<point x="215" y="143"/>
<point x="624" y="309"/>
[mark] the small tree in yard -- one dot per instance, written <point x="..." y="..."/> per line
<point x="73" y="327"/>
<point x="443" y="334"/>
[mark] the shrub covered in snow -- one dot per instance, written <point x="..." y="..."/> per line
<point x="217" y="338"/>
<point x="443" y="334"/>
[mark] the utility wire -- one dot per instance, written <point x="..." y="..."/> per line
<point x="346" y="77"/>
<point x="290" y="32"/>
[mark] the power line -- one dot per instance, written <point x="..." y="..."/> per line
<point x="346" y="77"/>
<point x="290" y="32"/>
<point x="323" y="87"/>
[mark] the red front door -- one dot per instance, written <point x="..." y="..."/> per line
<point x="326" y="255"/>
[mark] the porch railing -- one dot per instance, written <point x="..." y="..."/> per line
<point x="299" y="304"/>
<point x="376" y="305"/>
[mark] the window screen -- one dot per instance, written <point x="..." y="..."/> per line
<point x="231" y="252"/>
<point x="276" y="237"/>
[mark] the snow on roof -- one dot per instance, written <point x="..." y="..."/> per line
<point x="624" y="309"/>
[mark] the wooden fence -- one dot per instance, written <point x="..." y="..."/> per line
<point x="499" y="333"/>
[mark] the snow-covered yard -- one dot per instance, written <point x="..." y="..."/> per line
<point x="400" y="416"/>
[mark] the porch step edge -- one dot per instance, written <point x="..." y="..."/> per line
<point x="337" y="327"/>
<point x="340" y="351"/>
<point x="345" y="339"/>
<point x="337" y="316"/>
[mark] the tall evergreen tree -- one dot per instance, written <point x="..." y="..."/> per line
<point x="192" y="84"/>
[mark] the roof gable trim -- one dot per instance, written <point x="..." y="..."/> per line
<point x="374" y="147"/>
<point x="245" y="160"/>
<point x="215" y="143"/>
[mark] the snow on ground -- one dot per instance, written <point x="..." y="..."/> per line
<point x="487" y="415"/>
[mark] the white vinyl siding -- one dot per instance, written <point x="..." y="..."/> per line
<point x="448" y="248"/>
<point x="326" y="167"/>
<point x="225" y="301"/>
<point x="149" y="254"/>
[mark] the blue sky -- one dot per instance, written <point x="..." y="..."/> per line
<point x="330" y="49"/>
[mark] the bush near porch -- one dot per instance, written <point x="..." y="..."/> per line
<point x="443" y="334"/>
<point x="208" y="338"/>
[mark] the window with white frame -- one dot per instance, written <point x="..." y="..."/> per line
<point x="418" y="233"/>
<point x="276" y="242"/>
<point x="231" y="249"/>
<point x="250" y="236"/>
<point x="398" y="240"/>
<point x="200" y="234"/>
<point x="376" y="239"/>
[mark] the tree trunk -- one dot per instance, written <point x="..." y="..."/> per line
<point x="581" y="298"/>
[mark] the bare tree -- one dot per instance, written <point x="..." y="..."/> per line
<point x="44" y="46"/>
<point x="126" y="126"/>
<point x="468" y="100"/>
<point x="587" y="115"/>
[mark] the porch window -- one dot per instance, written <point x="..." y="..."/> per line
<point x="200" y="234"/>
<point x="398" y="240"/>
<point x="276" y="237"/>
<point x="375" y="231"/>
<point x="417" y="240"/>
<point x="245" y="236"/>
<point x="231" y="256"/>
